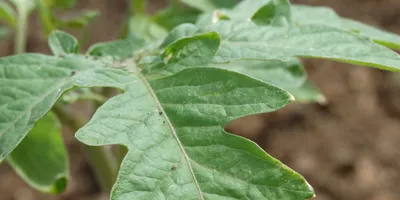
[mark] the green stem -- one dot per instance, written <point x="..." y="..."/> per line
<point x="104" y="165"/>
<point x="120" y="153"/>
<point x="101" y="160"/>
<point x="21" y="32"/>
<point x="89" y="95"/>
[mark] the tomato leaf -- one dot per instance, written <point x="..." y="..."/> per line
<point x="41" y="158"/>
<point x="174" y="129"/>
<point x="303" y="14"/>
<point x="117" y="49"/>
<point x="276" y="12"/>
<point x="248" y="41"/>
<point x="62" y="43"/>
<point x="31" y="83"/>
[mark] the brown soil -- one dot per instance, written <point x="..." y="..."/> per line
<point x="347" y="150"/>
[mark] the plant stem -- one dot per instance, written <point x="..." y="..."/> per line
<point x="21" y="32"/>
<point x="120" y="153"/>
<point x="101" y="160"/>
<point x="86" y="95"/>
<point x="104" y="165"/>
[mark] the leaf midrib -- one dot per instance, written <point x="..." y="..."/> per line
<point x="168" y="122"/>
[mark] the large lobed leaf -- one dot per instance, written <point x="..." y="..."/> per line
<point x="174" y="127"/>
<point x="178" y="149"/>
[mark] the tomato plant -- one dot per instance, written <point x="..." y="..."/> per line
<point x="178" y="83"/>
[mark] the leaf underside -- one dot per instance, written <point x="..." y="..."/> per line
<point x="41" y="158"/>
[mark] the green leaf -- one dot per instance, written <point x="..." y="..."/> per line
<point x="323" y="15"/>
<point x="208" y="5"/>
<point x="303" y="14"/>
<point x="174" y="15"/>
<point x="78" y="21"/>
<point x="31" y="83"/>
<point x="118" y="49"/>
<point x="179" y="54"/>
<point x="275" y="12"/>
<point x="286" y="75"/>
<point x="248" y="41"/>
<point x="7" y="13"/>
<point x="62" y="43"/>
<point x="262" y="12"/>
<point x="174" y="129"/>
<point x="248" y="8"/>
<point x="41" y="158"/>
<point x="203" y="5"/>
<point x="142" y="27"/>
<point x="308" y="93"/>
<point x="187" y="52"/>
<point x="243" y="11"/>
<point x="382" y="37"/>
<point x="181" y="31"/>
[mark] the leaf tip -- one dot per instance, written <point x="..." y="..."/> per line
<point x="321" y="99"/>
<point x="59" y="186"/>
<point x="311" y="189"/>
<point x="291" y="97"/>
<point x="217" y="16"/>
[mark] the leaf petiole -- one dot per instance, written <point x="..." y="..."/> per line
<point x="21" y="31"/>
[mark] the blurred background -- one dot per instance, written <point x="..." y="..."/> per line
<point x="347" y="149"/>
